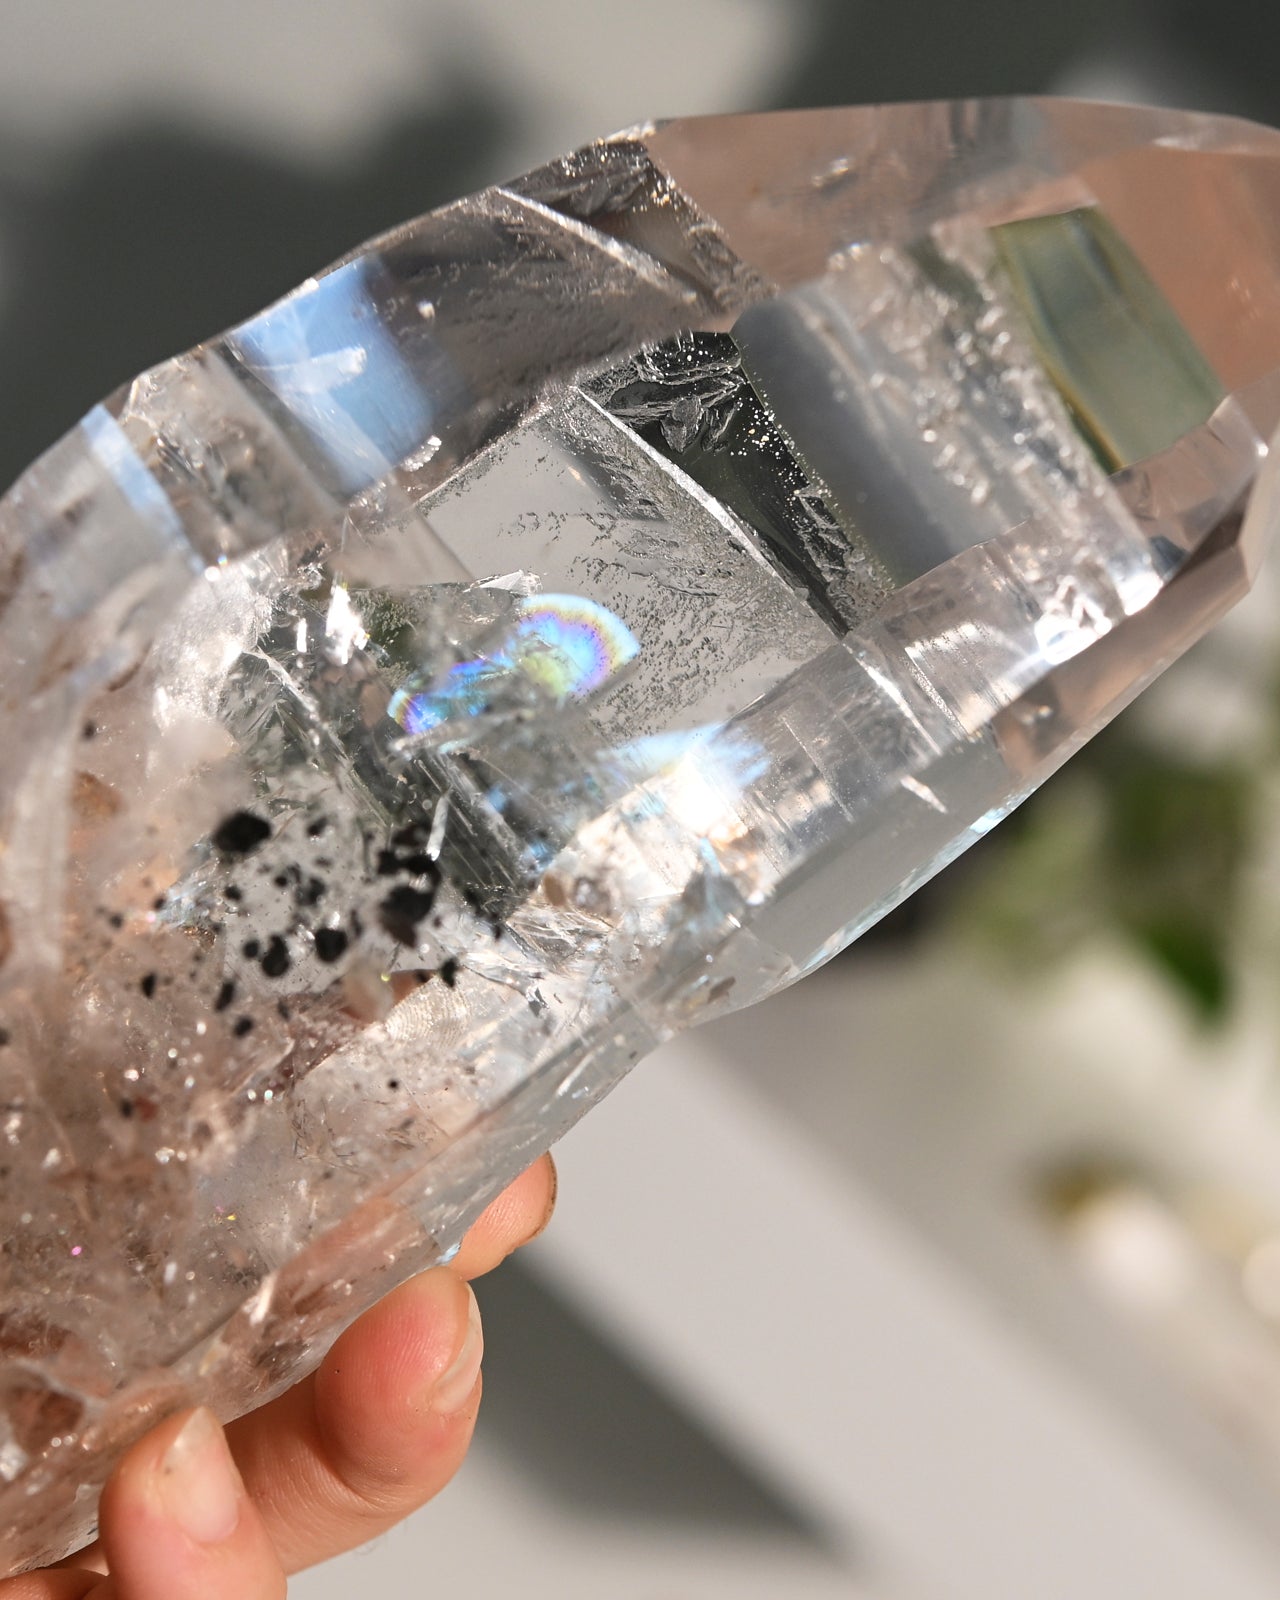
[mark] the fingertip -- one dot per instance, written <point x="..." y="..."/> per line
<point x="378" y="1429"/>
<point x="175" y="1520"/>
<point x="394" y="1382"/>
<point x="519" y="1214"/>
<point x="450" y="1393"/>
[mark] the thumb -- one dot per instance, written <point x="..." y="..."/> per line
<point x="176" y="1523"/>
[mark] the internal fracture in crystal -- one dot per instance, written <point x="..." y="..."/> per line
<point x="580" y="611"/>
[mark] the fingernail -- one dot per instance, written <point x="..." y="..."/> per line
<point x="554" y="1174"/>
<point x="199" y="1484"/>
<point x="452" y="1389"/>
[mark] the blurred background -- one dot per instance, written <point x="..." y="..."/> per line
<point x="954" y="1272"/>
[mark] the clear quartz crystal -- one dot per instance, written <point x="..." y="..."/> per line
<point x="577" y="613"/>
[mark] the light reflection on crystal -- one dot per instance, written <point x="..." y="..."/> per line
<point x="112" y="450"/>
<point x="333" y="364"/>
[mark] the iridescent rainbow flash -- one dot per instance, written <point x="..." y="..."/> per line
<point x="564" y="644"/>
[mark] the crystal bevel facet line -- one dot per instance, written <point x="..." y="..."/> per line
<point x="574" y="614"/>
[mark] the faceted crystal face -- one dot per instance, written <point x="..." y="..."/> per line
<point x="576" y="613"/>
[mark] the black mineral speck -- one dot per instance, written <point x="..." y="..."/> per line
<point x="234" y="893"/>
<point x="316" y="827"/>
<point x="241" y="1026"/>
<point x="126" y="1108"/>
<point x="158" y="904"/>
<point x="402" y="911"/>
<point x="479" y="902"/>
<point x="275" y="959"/>
<point x="331" y="943"/>
<point x="148" y="985"/>
<point x="407" y="854"/>
<point x="393" y="1083"/>
<point x="241" y="833"/>
<point x="226" y="995"/>
<point x="89" y="731"/>
<point x="5" y="1036"/>
<point x="449" y="971"/>
<point x="251" y="949"/>
<point x="116" y="920"/>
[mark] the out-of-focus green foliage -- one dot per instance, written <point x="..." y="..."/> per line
<point x="1175" y="842"/>
<point x="1128" y="839"/>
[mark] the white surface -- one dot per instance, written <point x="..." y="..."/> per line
<point x="492" y="1535"/>
<point x="841" y="1351"/>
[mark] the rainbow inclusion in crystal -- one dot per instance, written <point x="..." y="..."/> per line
<point x="565" y="645"/>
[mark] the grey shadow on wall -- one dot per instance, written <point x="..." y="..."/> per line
<point x="156" y="237"/>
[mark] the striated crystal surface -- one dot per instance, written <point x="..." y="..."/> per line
<point x="577" y="613"/>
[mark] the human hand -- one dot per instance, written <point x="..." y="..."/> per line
<point x="378" y="1429"/>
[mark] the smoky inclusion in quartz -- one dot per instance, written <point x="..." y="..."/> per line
<point x="577" y="613"/>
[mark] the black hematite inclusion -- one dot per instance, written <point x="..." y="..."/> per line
<point x="241" y="833"/>
<point x="330" y="943"/>
<point x="275" y="958"/>
<point x="403" y="909"/>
